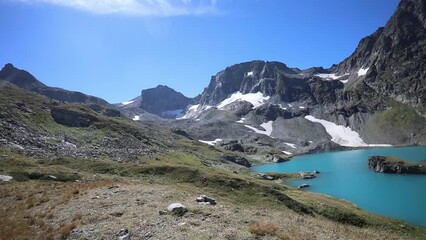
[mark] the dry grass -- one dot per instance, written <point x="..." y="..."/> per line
<point x="29" y="208"/>
<point x="65" y="230"/>
<point x="263" y="228"/>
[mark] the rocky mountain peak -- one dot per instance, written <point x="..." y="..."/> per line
<point x="245" y="77"/>
<point x="164" y="101"/>
<point x="19" y="77"/>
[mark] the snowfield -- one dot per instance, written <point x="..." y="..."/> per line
<point x="267" y="126"/>
<point x="362" y="71"/>
<point x="257" y="99"/>
<point x="212" y="143"/>
<point x="194" y="110"/>
<point x="344" y="136"/>
<point x="136" y="118"/>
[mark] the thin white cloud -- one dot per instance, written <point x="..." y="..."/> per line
<point x="138" y="7"/>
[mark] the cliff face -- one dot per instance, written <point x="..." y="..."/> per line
<point x="273" y="79"/>
<point x="385" y="164"/>
<point x="394" y="56"/>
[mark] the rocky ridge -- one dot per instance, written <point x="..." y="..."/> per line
<point x="25" y="80"/>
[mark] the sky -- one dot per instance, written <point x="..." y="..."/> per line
<point x="115" y="48"/>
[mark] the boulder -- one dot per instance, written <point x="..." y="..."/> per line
<point x="303" y="186"/>
<point x="123" y="234"/>
<point x="177" y="209"/>
<point x="268" y="176"/>
<point x="5" y="178"/>
<point x="203" y="199"/>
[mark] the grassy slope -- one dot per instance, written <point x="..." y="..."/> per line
<point x="400" y="121"/>
<point x="181" y="163"/>
<point x="174" y="170"/>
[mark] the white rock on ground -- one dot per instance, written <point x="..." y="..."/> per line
<point x="177" y="208"/>
<point x="5" y="178"/>
<point x="123" y="234"/>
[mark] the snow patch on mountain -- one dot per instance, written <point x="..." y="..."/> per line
<point x="136" y="118"/>
<point x="212" y="143"/>
<point x="330" y="76"/>
<point x="267" y="126"/>
<point x="257" y="99"/>
<point x="250" y="73"/>
<point x="344" y="136"/>
<point x="341" y="135"/>
<point x="282" y="107"/>
<point x="362" y="71"/>
<point x="177" y="113"/>
<point x="126" y="103"/>
<point x="288" y="153"/>
<point x="193" y="111"/>
<point x="292" y="145"/>
<point x="241" y="120"/>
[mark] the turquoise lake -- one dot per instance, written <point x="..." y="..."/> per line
<point x="346" y="175"/>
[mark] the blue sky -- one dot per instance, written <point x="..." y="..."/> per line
<point x="115" y="48"/>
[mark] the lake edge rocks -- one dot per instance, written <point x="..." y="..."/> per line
<point x="389" y="164"/>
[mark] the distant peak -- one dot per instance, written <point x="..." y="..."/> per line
<point x="8" y="65"/>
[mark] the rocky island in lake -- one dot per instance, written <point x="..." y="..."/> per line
<point x="388" y="164"/>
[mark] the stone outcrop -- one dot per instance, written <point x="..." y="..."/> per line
<point x="237" y="160"/>
<point x="72" y="118"/>
<point x="386" y="164"/>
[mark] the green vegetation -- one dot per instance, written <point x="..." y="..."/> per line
<point x="402" y="116"/>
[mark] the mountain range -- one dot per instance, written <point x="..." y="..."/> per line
<point x="375" y="97"/>
<point x="73" y="166"/>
